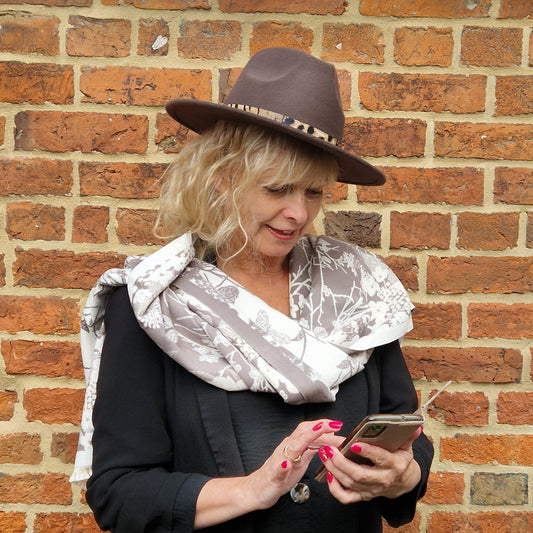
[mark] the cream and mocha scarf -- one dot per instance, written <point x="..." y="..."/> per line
<point x="344" y="301"/>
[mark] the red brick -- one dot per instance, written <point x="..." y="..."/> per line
<point x="423" y="46"/>
<point x="460" y="408"/>
<point x="374" y="137"/>
<point x="36" y="83"/>
<point x="161" y="4"/>
<point x="501" y="275"/>
<point x="153" y="38"/>
<point x="411" y="527"/>
<point x="514" y="95"/>
<point x="479" y="365"/>
<point x="60" y="3"/>
<point x="487" y="231"/>
<point x="20" y="448"/>
<point x="28" y="221"/>
<point x="120" y="180"/>
<point x="422" y="8"/>
<point x="275" y="33"/>
<point x="406" y="268"/>
<point x="515" y="10"/>
<point x="8" y="399"/>
<point x="136" y="226"/>
<point x="56" y="131"/>
<point x="415" y="230"/>
<point x="23" y="33"/>
<point x="91" y="37"/>
<point x="335" y="192"/>
<point x="484" y="141"/>
<point x="42" y="405"/>
<point x="62" y="268"/>
<point x="436" y="321"/>
<point x="489" y="522"/>
<point x="513" y="186"/>
<point x="2" y="129"/>
<point x="491" y="47"/>
<point x="46" y="315"/>
<point x="171" y="136"/>
<point x="35" y="489"/>
<point x="35" y="176"/>
<point x="493" y="320"/>
<point x="209" y="39"/>
<point x="65" y="523"/>
<point x="357" y="43"/>
<point x="461" y="186"/>
<point x="143" y="86"/>
<point x="89" y="224"/>
<point x="422" y="92"/>
<point x="313" y="7"/>
<point x="43" y="358"/>
<point x="14" y="522"/>
<point x="445" y="488"/>
<point x="515" y="408"/>
<point x="64" y="447"/>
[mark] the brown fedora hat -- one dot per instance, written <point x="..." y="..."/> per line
<point x="289" y="91"/>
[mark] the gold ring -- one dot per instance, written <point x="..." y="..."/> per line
<point x="286" y="454"/>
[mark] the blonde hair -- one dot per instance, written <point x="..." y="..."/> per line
<point x="236" y="154"/>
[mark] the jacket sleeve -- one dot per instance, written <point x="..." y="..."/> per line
<point x="132" y="489"/>
<point x="398" y="395"/>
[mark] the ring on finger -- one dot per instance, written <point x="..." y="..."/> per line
<point x="288" y="455"/>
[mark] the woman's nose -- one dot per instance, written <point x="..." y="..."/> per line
<point x="296" y="208"/>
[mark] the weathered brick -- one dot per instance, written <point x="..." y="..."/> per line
<point x="136" y="226"/>
<point x="313" y="7"/>
<point x="275" y="33"/>
<point x="161" y="4"/>
<point x="2" y="129"/>
<point x="89" y="224"/>
<point x="153" y="38"/>
<point x="143" y="86"/>
<point x="13" y="521"/>
<point x="491" y="47"/>
<point x="423" y="46"/>
<point x="65" y="522"/>
<point x="501" y="275"/>
<point x="436" y="321"/>
<point x="487" y="231"/>
<point x="20" y="448"/>
<point x="335" y="192"/>
<point x="35" y="176"/>
<point x="515" y="408"/>
<point x="493" y="320"/>
<point x="422" y="8"/>
<point x="445" y="488"/>
<point x="479" y="365"/>
<point x="8" y="399"/>
<point x="120" y="180"/>
<point x="209" y="39"/>
<point x="2" y="271"/>
<point x="91" y="37"/>
<point x="529" y="231"/>
<point x="422" y="92"/>
<point x="43" y="358"/>
<point x="56" y="131"/>
<point x="29" y="221"/>
<point x="64" y="447"/>
<point x="406" y="268"/>
<point x="487" y="488"/>
<point x="357" y="227"/>
<point x="376" y="137"/>
<point x="60" y="3"/>
<point x="415" y="230"/>
<point x="357" y="43"/>
<point x="440" y="521"/>
<point x="411" y="527"/>
<point x="35" y="489"/>
<point x="41" y="405"/>
<point x="46" y="315"/>
<point x="484" y="141"/>
<point x="514" y="95"/>
<point x="24" y="33"/>
<point x="462" y="186"/>
<point x="460" y="408"/>
<point x="515" y="10"/>
<point x="62" y="268"/>
<point x="513" y="185"/>
<point x="36" y="83"/>
<point x="171" y="136"/>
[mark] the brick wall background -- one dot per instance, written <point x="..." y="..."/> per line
<point x="439" y="94"/>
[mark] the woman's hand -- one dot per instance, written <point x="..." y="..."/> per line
<point x="391" y="475"/>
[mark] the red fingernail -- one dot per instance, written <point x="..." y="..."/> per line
<point x="318" y="426"/>
<point x="329" y="475"/>
<point x="355" y="448"/>
<point x="284" y="465"/>
<point x="328" y="451"/>
<point x="335" y="424"/>
<point x="323" y="455"/>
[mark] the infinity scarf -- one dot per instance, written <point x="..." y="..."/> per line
<point x="344" y="301"/>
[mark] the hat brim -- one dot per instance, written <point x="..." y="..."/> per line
<point x="198" y="116"/>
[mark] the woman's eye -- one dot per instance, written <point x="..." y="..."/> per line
<point x="314" y="192"/>
<point x="273" y="189"/>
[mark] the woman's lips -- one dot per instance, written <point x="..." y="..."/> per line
<point x="285" y="235"/>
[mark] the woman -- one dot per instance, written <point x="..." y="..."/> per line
<point x="234" y="358"/>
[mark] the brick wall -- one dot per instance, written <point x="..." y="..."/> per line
<point x="438" y="94"/>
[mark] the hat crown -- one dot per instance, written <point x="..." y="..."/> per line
<point x="294" y="84"/>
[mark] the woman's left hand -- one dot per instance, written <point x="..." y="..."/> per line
<point x="391" y="475"/>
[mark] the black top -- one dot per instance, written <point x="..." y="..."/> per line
<point x="161" y="433"/>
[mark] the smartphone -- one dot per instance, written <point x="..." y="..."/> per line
<point x="389" y="431"/>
